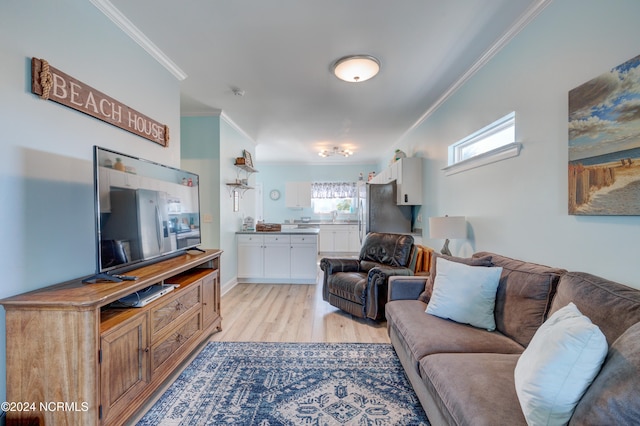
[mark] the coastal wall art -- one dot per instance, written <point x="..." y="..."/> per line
<point x="604" y="143"/>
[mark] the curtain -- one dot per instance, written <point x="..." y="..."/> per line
<point x="333" y="190"/>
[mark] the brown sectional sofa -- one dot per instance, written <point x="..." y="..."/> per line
<point x="465" y="375"/>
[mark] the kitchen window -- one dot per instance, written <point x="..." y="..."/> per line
<point x="328" y="197"/>
<point x="492" y="143"/>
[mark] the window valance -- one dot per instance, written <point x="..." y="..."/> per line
<point x="333" y="190"/>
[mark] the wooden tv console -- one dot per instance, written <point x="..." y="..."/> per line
<point x="75" y="359"/>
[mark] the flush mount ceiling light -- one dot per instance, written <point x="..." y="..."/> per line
<point x="356" y="68"/>
<point x="335" y="151"/>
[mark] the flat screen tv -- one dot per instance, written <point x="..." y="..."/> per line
<point x="145" y="212"/>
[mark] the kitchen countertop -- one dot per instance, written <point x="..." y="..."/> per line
<point x="296" y="231"/>
<point x="323" y="222"/>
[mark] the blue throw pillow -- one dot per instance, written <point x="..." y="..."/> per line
<point x="465" y="294"/>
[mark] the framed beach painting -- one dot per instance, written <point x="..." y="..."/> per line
<point x="604" y="143"/>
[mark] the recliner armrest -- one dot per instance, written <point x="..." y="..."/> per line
<point x="376" y="291"/>
<point x="406" y="288"/>
<point x="386" y="272"/>
<point x="332" y="265"/>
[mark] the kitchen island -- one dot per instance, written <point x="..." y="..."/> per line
<point x="289" y="256"/>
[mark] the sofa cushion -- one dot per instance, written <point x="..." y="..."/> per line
<point x="425" y="334"/>
<point x="428" y="287"/>
<point x="524" y="296"/>
<point x="465" y="294"/>
<point x="611" y="306"/>
<point x="473" y="389"/>
<point x="559" y="364"/>
<point x="612" y="398"/>
<point x="387" y="249"/>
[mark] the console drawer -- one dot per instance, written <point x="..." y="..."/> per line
<point x="166" y="313"/>
<point x="162" y="351"/>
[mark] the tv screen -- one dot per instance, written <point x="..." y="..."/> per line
<point x="144" y="211"/>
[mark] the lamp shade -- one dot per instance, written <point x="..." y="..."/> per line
<point x="449" y="227"/>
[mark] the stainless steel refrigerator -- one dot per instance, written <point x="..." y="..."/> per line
<point x="378" y="212"/>
<point x="140" y="219"/>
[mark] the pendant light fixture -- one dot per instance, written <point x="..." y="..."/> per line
<point x="356" y="68"/>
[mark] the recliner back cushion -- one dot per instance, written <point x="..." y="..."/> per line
<point x="387" y="249"/>
<point x="611" y="306"/>
<point x="524" y="296"/>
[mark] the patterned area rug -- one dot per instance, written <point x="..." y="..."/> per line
<point x="271" y="384"/>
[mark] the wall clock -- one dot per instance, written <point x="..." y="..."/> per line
<point x="274" y="194"/>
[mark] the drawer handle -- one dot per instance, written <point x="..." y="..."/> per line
<point x="179" y="306"/>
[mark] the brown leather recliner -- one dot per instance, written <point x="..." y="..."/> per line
<point x="359" y="286"/>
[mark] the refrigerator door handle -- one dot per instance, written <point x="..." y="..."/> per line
<point x="158" y="228"/>
<point x="361" y="221"/>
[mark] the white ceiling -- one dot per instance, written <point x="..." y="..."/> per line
<point x="279" y="53"/>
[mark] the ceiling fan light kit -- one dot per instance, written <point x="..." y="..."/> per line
<point x="356" y="68"/>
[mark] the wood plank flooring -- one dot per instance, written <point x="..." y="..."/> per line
<point x="291" y="313"/>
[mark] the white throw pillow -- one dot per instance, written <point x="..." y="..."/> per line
<point x="465" y="294"/>
<point x="555" y="370"/>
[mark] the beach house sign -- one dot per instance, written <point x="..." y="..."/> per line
<point x="54" y="85"/>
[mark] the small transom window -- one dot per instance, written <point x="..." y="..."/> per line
<point x="489" y="144"/>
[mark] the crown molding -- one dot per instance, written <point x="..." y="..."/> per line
<point x="237" y="128"/>
<point x="525" y="19"/>
<point x="111" y="12"/>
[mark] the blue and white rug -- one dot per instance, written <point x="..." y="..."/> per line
<point x="269" y="384"/>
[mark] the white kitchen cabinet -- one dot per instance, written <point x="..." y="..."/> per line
<point x="103" y="189"/>
<point x="304" y="253"/>
<point x="409" y="181"/>
<point x="250" y="256"/>
<point x="339" y="238"/>
<point x="407" y="173"/>
<point x="277" y="258"/>
<point x="123" y="179"/>
<point x="354" y="239"/>
<point x="297" y="194"/>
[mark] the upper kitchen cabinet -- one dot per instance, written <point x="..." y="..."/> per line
<point x="298" y="194"/>
<point x="409" y="181"/>
<point x="407" y="173"/>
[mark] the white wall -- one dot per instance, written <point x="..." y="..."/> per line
<point x="232" y="143"/>
<point x="518" y="207"/>
<point x="46" y="190"/>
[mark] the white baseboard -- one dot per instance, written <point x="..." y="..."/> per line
<point x="224" y="288"/>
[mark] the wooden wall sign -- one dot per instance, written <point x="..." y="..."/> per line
<point x="59" y="87"/>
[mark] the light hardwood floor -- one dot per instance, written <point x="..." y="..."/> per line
<point x="291" y="313"/>
<point x="282" y="313"/>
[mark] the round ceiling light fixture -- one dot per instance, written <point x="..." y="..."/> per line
<point x="356" y="68"/>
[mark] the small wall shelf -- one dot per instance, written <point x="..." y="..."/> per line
<point x="238" y="188"/>
<point x="246" y="168"/>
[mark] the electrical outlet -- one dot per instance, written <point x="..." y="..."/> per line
<point x="419" y="218"/>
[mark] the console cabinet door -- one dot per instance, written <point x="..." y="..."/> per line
<point x="124" y="369"/>
<point x="210" y="298"/>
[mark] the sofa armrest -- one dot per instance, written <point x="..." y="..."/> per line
<point x="376" y="292"/>
<point x="406" y="288"/>
<point x="332" y="265"/>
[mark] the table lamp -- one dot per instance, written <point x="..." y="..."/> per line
<point x="447" y="227"/>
